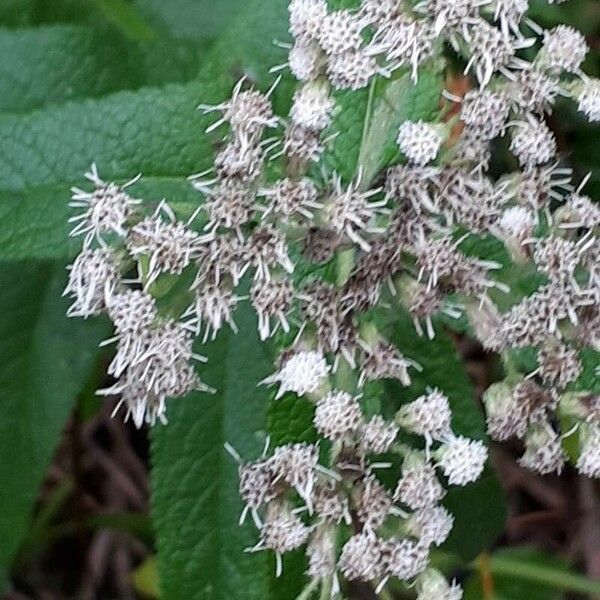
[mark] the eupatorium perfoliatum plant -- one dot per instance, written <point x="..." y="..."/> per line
<point x="326" y="252"/>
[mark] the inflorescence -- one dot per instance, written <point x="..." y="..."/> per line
<point x="400" y="242"/>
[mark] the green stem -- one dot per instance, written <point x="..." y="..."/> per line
<point x="367" y="176"/>
<point x="522" y="570"/>
<point x="570" y="582"/>
<point x="308" y="590"/>
<point x="384" y="594"/>
<point x="326" y="589"/>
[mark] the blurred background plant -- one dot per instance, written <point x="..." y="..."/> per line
<point x="117" y="82"/>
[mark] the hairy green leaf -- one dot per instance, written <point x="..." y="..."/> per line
<point x="156" y="132"/>
<point x="196" y="504"/>
<point x="45" y="360"/>
<point x="189" y="19"/>
<point x="126" y="18"/>
<point x="290" y="420"/>
<point x="56" y="63"/>
<point x="53" y="64"/>
<point x="16" y="13"/>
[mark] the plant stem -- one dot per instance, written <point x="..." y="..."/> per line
<point x="326" y="589"/>
<point x="308" y="590"/>
<point x="558" y="579"/>
<point x="487" y="578"/>
<point x="384" y="594"/>
<point x="522" y="570"/>
<point x="366" y="177"/>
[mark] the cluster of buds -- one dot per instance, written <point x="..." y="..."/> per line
<point x="351" y="524"/>
<point x="560" y="322"/>
<point x="270" y="218"/>
<point x="123" y="254"/>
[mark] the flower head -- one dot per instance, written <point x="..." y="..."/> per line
<point x="588" y="99"/>
<point x="564" y="49"/>
<point x="374" y="503"/>
<point x="378" y="435"/>
<point x="169" y="245"/>
<point x="93" y="277"/>
<point x="106" y="209"/>
<point x="301" y="372"/>
<point x="361" y="557"/>
<point x="405" y="559"/>
<point x="543" y="450"/>
<point x="462" y="460"/>
<point x="486" y="110"/>
<point x="428" y="415"/>
<point x="312" y="107"/>
<point x="532" y="143"/>
<point x="306" y="60"/>
<point x="338" y="414"/>
<point x="339" y="32"/>
<point x="351" y="70"/>
<point x="419" y="486"/>
<point x="431" y="525"/>
<point x="306" y="17"/>
<point x="506" y="415"/>
<point x="419" y="141"/>
<point x="433" y="586"/>
<point x="248" y="112"/>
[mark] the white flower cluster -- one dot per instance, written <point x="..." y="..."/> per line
<point x="154" y="356"/>
<point x="560" y="320"/>
<point x="307" y="503"/>
<point x="268" y="216"/>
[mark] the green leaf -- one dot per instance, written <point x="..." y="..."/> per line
<point x="479" y="511"/>
<point x="369" y="120"/>
<point x="588" y="380"/>
<point x="479" y="508"/>
<point x="126" y="18"/>
<point x="53" y="64"/>
<point x="196" y="505"/>
<point x="526" y="574"/>
<point x="190" y="19"/>
<point x="341" y="155"/>
<point x="19" y="13"/>
<point x="16" y="13"/>
<point x="157" y="132"/>
<point x="45" y="360"/>
<point x="56" y="63"/>
<point x="166" y="60"/>
<point x="290" y="419"/>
